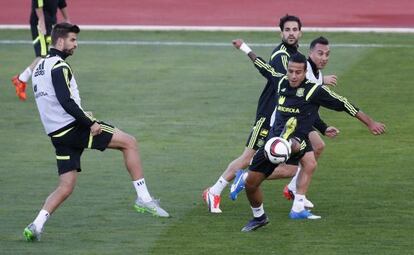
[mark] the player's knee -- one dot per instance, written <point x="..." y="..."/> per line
<point x="131" y="142"/>
<point x="318" y="148"/>
<point x="245" y="159"/>
<point x="67" y="183"/>
<point x="125" y="141"/>
<point x="253" y="180"/>
<point x="250" y="187"/>
<point x="309" y="165"/>
<point x="312" y="164"/>
<point x="66" y="189"/>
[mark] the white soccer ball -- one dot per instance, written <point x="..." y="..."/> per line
<point x="277" y="150"/>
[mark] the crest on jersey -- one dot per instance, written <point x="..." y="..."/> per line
<point x="300" y="92"/>
<point x="264" y="132"/>
<point x="282" y="100"/>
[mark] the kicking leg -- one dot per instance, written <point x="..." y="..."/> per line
<point x="128" y="145"/>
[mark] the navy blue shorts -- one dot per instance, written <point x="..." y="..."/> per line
<point x="261" y="164"/>
<point x="70" y="143"/>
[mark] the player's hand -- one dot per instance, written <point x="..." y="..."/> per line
<point x="331" y="132"/>
<point x="237" y="43"/>
<point x="377" y="128"/>
<point x="330" y="80"/>
<point x="294" y="145"/>
<point x="42" y="27"/>
<point x="96" y="129"/>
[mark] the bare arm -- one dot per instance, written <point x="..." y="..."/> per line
<point x="41" y="18"/>
<point x="376" y="128"/>
<point x="64" y="12"/>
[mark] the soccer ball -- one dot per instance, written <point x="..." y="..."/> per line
<point x="277" y="150"/>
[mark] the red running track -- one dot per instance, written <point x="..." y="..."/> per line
<point x="260" y="13"/>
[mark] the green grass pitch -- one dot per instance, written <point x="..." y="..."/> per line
<point x="191" y="108"/>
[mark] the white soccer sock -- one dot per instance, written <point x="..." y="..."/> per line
<point x="217" y="188"/>
<point x="292" y="183"/>
<point x="298" y="203"/>
<point x="141" y="189"/>
<point x="41" y="219"/>
<point x="258" y="211"/>
<point x="25" y="76"/>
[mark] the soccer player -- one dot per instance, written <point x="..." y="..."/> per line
<point x="72" y="130"/>
<point x="317" y="60"/>
<point x="290" y="27"/>
<point x="298" y="104"/>
<point x="42" y="18"/>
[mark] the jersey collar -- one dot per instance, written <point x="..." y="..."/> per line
<point x="292" y="49"/>
<point x="315" y="70"/>
<point x="56" y="52"/>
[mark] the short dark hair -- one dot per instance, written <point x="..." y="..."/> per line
<point x="287" y="18"/>
<point x="61" y="30"/>
<point x="320" y="40"/>
<point x="298" y="58"/>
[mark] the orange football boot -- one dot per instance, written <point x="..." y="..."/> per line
<point x="20" y="87"/>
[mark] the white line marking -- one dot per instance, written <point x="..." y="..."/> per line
<point x="212" y="44"/>
<point x="227" y="28"/>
